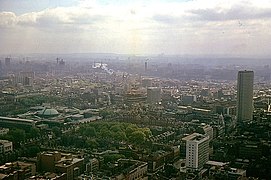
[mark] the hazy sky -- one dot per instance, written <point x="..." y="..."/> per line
<point x="235" y="27"/>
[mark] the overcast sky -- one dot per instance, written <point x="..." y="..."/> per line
<point x="233" y="27"/>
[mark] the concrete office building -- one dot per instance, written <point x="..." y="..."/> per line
<point x="197" y="150"/>
<point x="245" y="95"/>
<point x="59" y="162"/>
<point x="153" y="95"/>
<point x="146" y="82"/>
<point x="189" y="99"/>
<point x="7" y="62"/>
<point x="17" y="170"/>
<point x="25" y="78"/>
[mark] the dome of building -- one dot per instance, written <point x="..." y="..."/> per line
<point x="48" y="112"/>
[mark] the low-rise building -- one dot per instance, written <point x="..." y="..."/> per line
<point x="17" y="170"/>
<point x="61" y="163"/>
<point x="226" y="173"/>
<point x="49" y="175"/>
<point x="93" y="165"/>
<point x="131" y="170"/>
<point x="5" y="146"/>
<point x="4" y="131"/>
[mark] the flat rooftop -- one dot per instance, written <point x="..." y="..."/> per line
<point x="216" y="163"/>
<point x="16" y="119"/>
<point x="194" y="137"/>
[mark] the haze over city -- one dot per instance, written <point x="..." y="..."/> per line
<point x="198" y="27"/>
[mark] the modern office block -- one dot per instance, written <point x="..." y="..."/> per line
<point x="245" y="95"/>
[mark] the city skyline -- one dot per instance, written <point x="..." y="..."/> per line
<point x="237" y="28"/>
<point x="120" y="117"/>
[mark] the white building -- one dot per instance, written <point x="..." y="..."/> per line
<point x="5" y="146"/>
<point x="197" y="150"/>
<point x="25" y="78"/>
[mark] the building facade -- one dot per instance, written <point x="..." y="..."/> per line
<point x="17" y="170"/>
<point x="197" y="150"/>
<point x="58" y="162"/>
<point x="5" y="146"/>
<point x="245" y="95"/>
<point x="153" y="95"/>
<point x="3" y="131"/>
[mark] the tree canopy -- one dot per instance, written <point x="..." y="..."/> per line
<point x="114" y="132"/>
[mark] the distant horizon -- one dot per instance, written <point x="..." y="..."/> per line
<point x="219" y="56"/>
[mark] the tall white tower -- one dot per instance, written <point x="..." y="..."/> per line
<point x="245" y="95"/>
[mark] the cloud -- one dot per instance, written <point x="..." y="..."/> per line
<point x="52" y="17"/>
<point x="90" y="13"/>
<point x="167" y="19"/>
<point x="7" y="19"/>
<point x="28" y="19"/>
<point x="237" y="12"/>
<point x="196" y="26"/>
